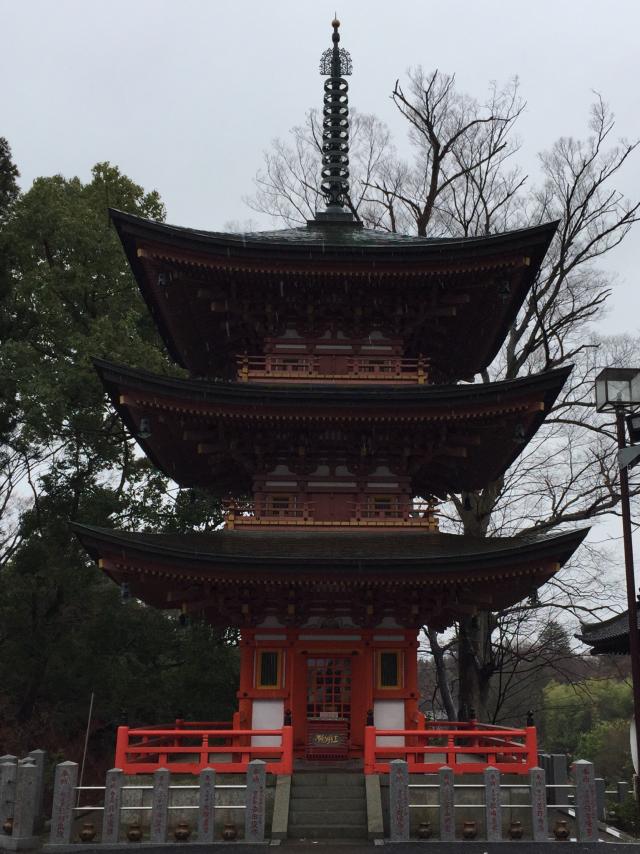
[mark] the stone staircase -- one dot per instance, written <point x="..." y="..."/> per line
<point x="328" y="805"/>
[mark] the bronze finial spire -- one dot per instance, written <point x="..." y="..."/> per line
<point x="335" y="64"/>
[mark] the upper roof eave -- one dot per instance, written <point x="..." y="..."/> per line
<point x="331" y="240"/>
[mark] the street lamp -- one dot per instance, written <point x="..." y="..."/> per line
<point x="618" y="391"/>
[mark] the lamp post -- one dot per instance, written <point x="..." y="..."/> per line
<point x="618" y="391"/>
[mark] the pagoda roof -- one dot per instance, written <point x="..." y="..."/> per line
<point x="198" y="283"/>
<point x="340" y="240"/>
<point x="447" y="573"/>
<point x="607" y="637"/>
<point x="471" y="424"/>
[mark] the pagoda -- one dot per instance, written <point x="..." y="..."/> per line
<point x="331" y="404"/>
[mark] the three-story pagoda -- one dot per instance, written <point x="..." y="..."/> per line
<point x="331" y="403"/>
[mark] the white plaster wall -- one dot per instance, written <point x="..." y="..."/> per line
<point x="389" y="714"/>
<point x="267" y="714"/>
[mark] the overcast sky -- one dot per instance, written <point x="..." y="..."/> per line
<point x="185" y="95"/>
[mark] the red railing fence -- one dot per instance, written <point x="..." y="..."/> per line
<point x="467" y="748"/>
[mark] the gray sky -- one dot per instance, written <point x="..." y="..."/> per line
<point x="184" y="95"/>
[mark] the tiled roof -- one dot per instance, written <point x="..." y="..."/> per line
<point x="291" y="550"/>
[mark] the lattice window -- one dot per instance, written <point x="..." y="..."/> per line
<point x="328" y="688"/>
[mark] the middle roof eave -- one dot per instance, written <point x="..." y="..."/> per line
<point x="333" y="551"/>
<point x="546" y="385"/>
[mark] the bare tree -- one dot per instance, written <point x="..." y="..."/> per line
<point x="463" y="180"/>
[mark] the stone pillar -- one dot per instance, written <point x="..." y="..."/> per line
<point x="492" y="805"/>
<point x="24" y="814"/>
<point x="398" y="800"/>
<point x="206" y="806"/>
<point x="64" y="791"/>
<point x="112" y="803"/>
<point x="622" y="789"/>
<point x="447" y="805"/>
<point x="39" y="759"/>
<point x="8" y="772"/>
<point x="586" y="805"/>
<point x="254" y="813"/>
<point x="160" y="806"/>
<point x="601" y="789"/>
<point x="539" y="818"/>
<point x="559" y="777"/>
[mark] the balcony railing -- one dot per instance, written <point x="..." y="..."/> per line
<point x="303" y="514"/>
<point x="189" y="748"/>
<point x="355" y="369"/>
<point x="466" y="747"/>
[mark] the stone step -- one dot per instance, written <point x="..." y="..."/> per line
<point x="327" y="795"/>
<point x="313" y="778"/>
<point x="346" y="818"/>
<point x="326" y="804"/>
<point x="326" y="831"/>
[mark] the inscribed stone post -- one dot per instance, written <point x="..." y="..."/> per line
<point x="39" y="759"/>
<point x="447" y="802"/>
<point x="160" y="805"/>
<point x="112" y="803"/>
<point x="64" y="790"/>
<point x="586" y="805"/>
<point x="622" y="789"/>
<point x="539" y="820"/>
<point x="254" y="813"/>
<point x="398" y="800"/>
<point x="24" y="814"/>
<point x="492" y="805"/>
<point x="8" y="773"/>
<point x="206" y="806"/>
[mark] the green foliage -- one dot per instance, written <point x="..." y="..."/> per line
<point x="8" y="180"/>
<point x="573" y="710"/>
<point x="607" y="746"/>
<point x="590" y="720"/>
<point x="63" y="630"/>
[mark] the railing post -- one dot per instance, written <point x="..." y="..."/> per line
<point x="492" y="805"/>
<point x="447" y="805"/>
<point x="8" y="773"/>
<point x="111" y="814"/>
<point x="160" y="805"/>
<point x="64" y="789"/>
<point x="586" y="806"/>
<point x="287" y="750"/>
<point x="369" y="749"/>
<point x="26" y="805"/>
<point x="206" y="806"/>
<point x="538" y="789"/>
<point x="398" y="800"/>
<point x="122" y="743"/>
<point x="531" y="742"/>
<point x="451" y="751"/>
<point x="254" y="813"/>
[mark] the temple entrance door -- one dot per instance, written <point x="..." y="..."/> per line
<point x="328" y="706"/>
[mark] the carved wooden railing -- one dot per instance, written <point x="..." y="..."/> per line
<point x="303" y="514"/>
<point x="379" y="369"/>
